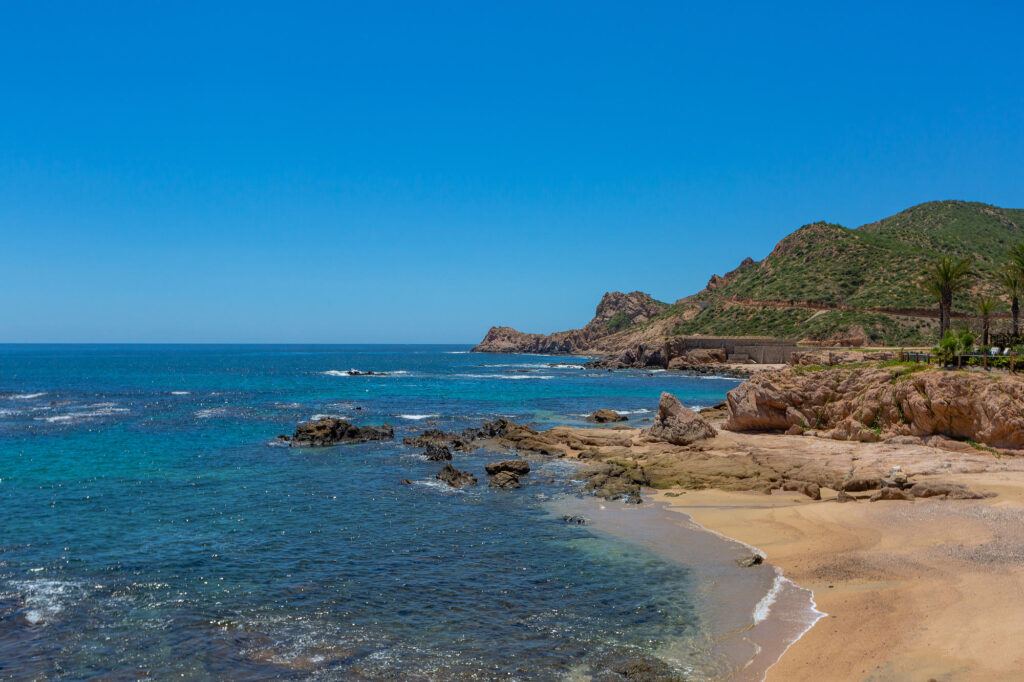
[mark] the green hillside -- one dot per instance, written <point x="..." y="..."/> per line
<point x="876" y="266"/>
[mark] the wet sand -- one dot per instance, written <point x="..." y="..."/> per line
<point x="749" y="615"/>
<point x="930" y="589"/>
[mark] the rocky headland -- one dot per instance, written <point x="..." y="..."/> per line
<point x="823" y="285"/>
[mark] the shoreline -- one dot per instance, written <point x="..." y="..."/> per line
<point x="744" y="634"/>
<point x="910" y="590"/>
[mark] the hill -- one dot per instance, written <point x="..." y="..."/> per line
<point x="823" y="283"/>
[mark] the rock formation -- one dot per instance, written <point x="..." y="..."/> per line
<point x="678" y="424"/>
<point x="516" y="466"/>
<point x="605" y="416"/>
<point x="616" y="312"/>
<point x="332" y="431"/>
<point x="881" y="403"/>
<point x="454" y="477"/>
<point x="504" y="479"/>
<point x="437" y="453"/>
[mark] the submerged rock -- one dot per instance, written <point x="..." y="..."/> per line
<point x="454" y="477"/>
<point x="635" y="669"/>
<point x="576" y="520"/>
<point x="678" y="424"/>
<point x="332" y="431"/>
<point x="605" y="416"/>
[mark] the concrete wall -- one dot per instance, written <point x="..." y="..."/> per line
<point x="759" y="349"/>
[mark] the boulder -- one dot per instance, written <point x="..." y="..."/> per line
<point x="332" y="431"/>
<point x="678" y="424"/>
<point x="844" y="496"/>
<point x="454" y="477"/>
<point x="515" y="466"/>
<point x="504" y="479"/>
<point x="605" y="416"/>
<point x="437" y="453"/>
<point x="752" y="560"/>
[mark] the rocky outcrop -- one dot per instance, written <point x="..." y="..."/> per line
<point x="516" y="466"/>
<point x="333" y="431"/>
<point x="616" y="312"/>
<point x="605" y="416"/>
<point x="504" y="479"/>
<point x="454" y="477"/>
<point x="437" y="453"/>
<point x="880" y="403"/>
<point x="678" y="424"/>
<point x="460" y="442"/>
<point x="509" y="340"/>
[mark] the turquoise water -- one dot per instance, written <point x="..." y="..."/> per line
<point x="150" y="527"/>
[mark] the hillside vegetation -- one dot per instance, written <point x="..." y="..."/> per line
<point x="830" y="284"/>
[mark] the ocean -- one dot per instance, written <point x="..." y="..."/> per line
<point x="152" y="526"/>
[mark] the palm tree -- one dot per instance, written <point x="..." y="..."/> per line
<point x="985" y="306"/>
<point x="945" y="277"/>
<point x="1011" y="278"/>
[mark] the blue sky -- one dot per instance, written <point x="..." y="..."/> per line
<point x="415" y="172"/>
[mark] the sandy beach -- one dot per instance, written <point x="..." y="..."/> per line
<point x="930" y="589"/>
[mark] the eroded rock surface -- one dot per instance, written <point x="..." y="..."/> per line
<point x="678" y="424"/>
<point x="879" y="403"/>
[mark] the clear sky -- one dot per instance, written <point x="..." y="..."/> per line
<point x="415" y="172"/>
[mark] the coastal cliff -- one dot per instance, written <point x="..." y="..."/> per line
<point x="615" y="313"/>
<point x="823" y="284"/>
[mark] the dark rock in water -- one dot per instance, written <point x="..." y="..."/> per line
<point x="678" y="424"/>
<point x="634" y="497"/>
<point x="753" y="560"/>
<point x="405" y="481"/>
<point x="577" y="520"/>
<point x="454" y="477"/>
<point x="437" y="453"/>
<point x="437" y="437"/>
<point x="605" y="416"/>
<point x="516" y="466"/>
<point x="614" y="488"/>
<point x="505" y="479"/>
<point x="332" y="431"/>
<point x="635" y="669"/>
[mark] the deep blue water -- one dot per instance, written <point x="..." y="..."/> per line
<point x="149" y="527"/>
